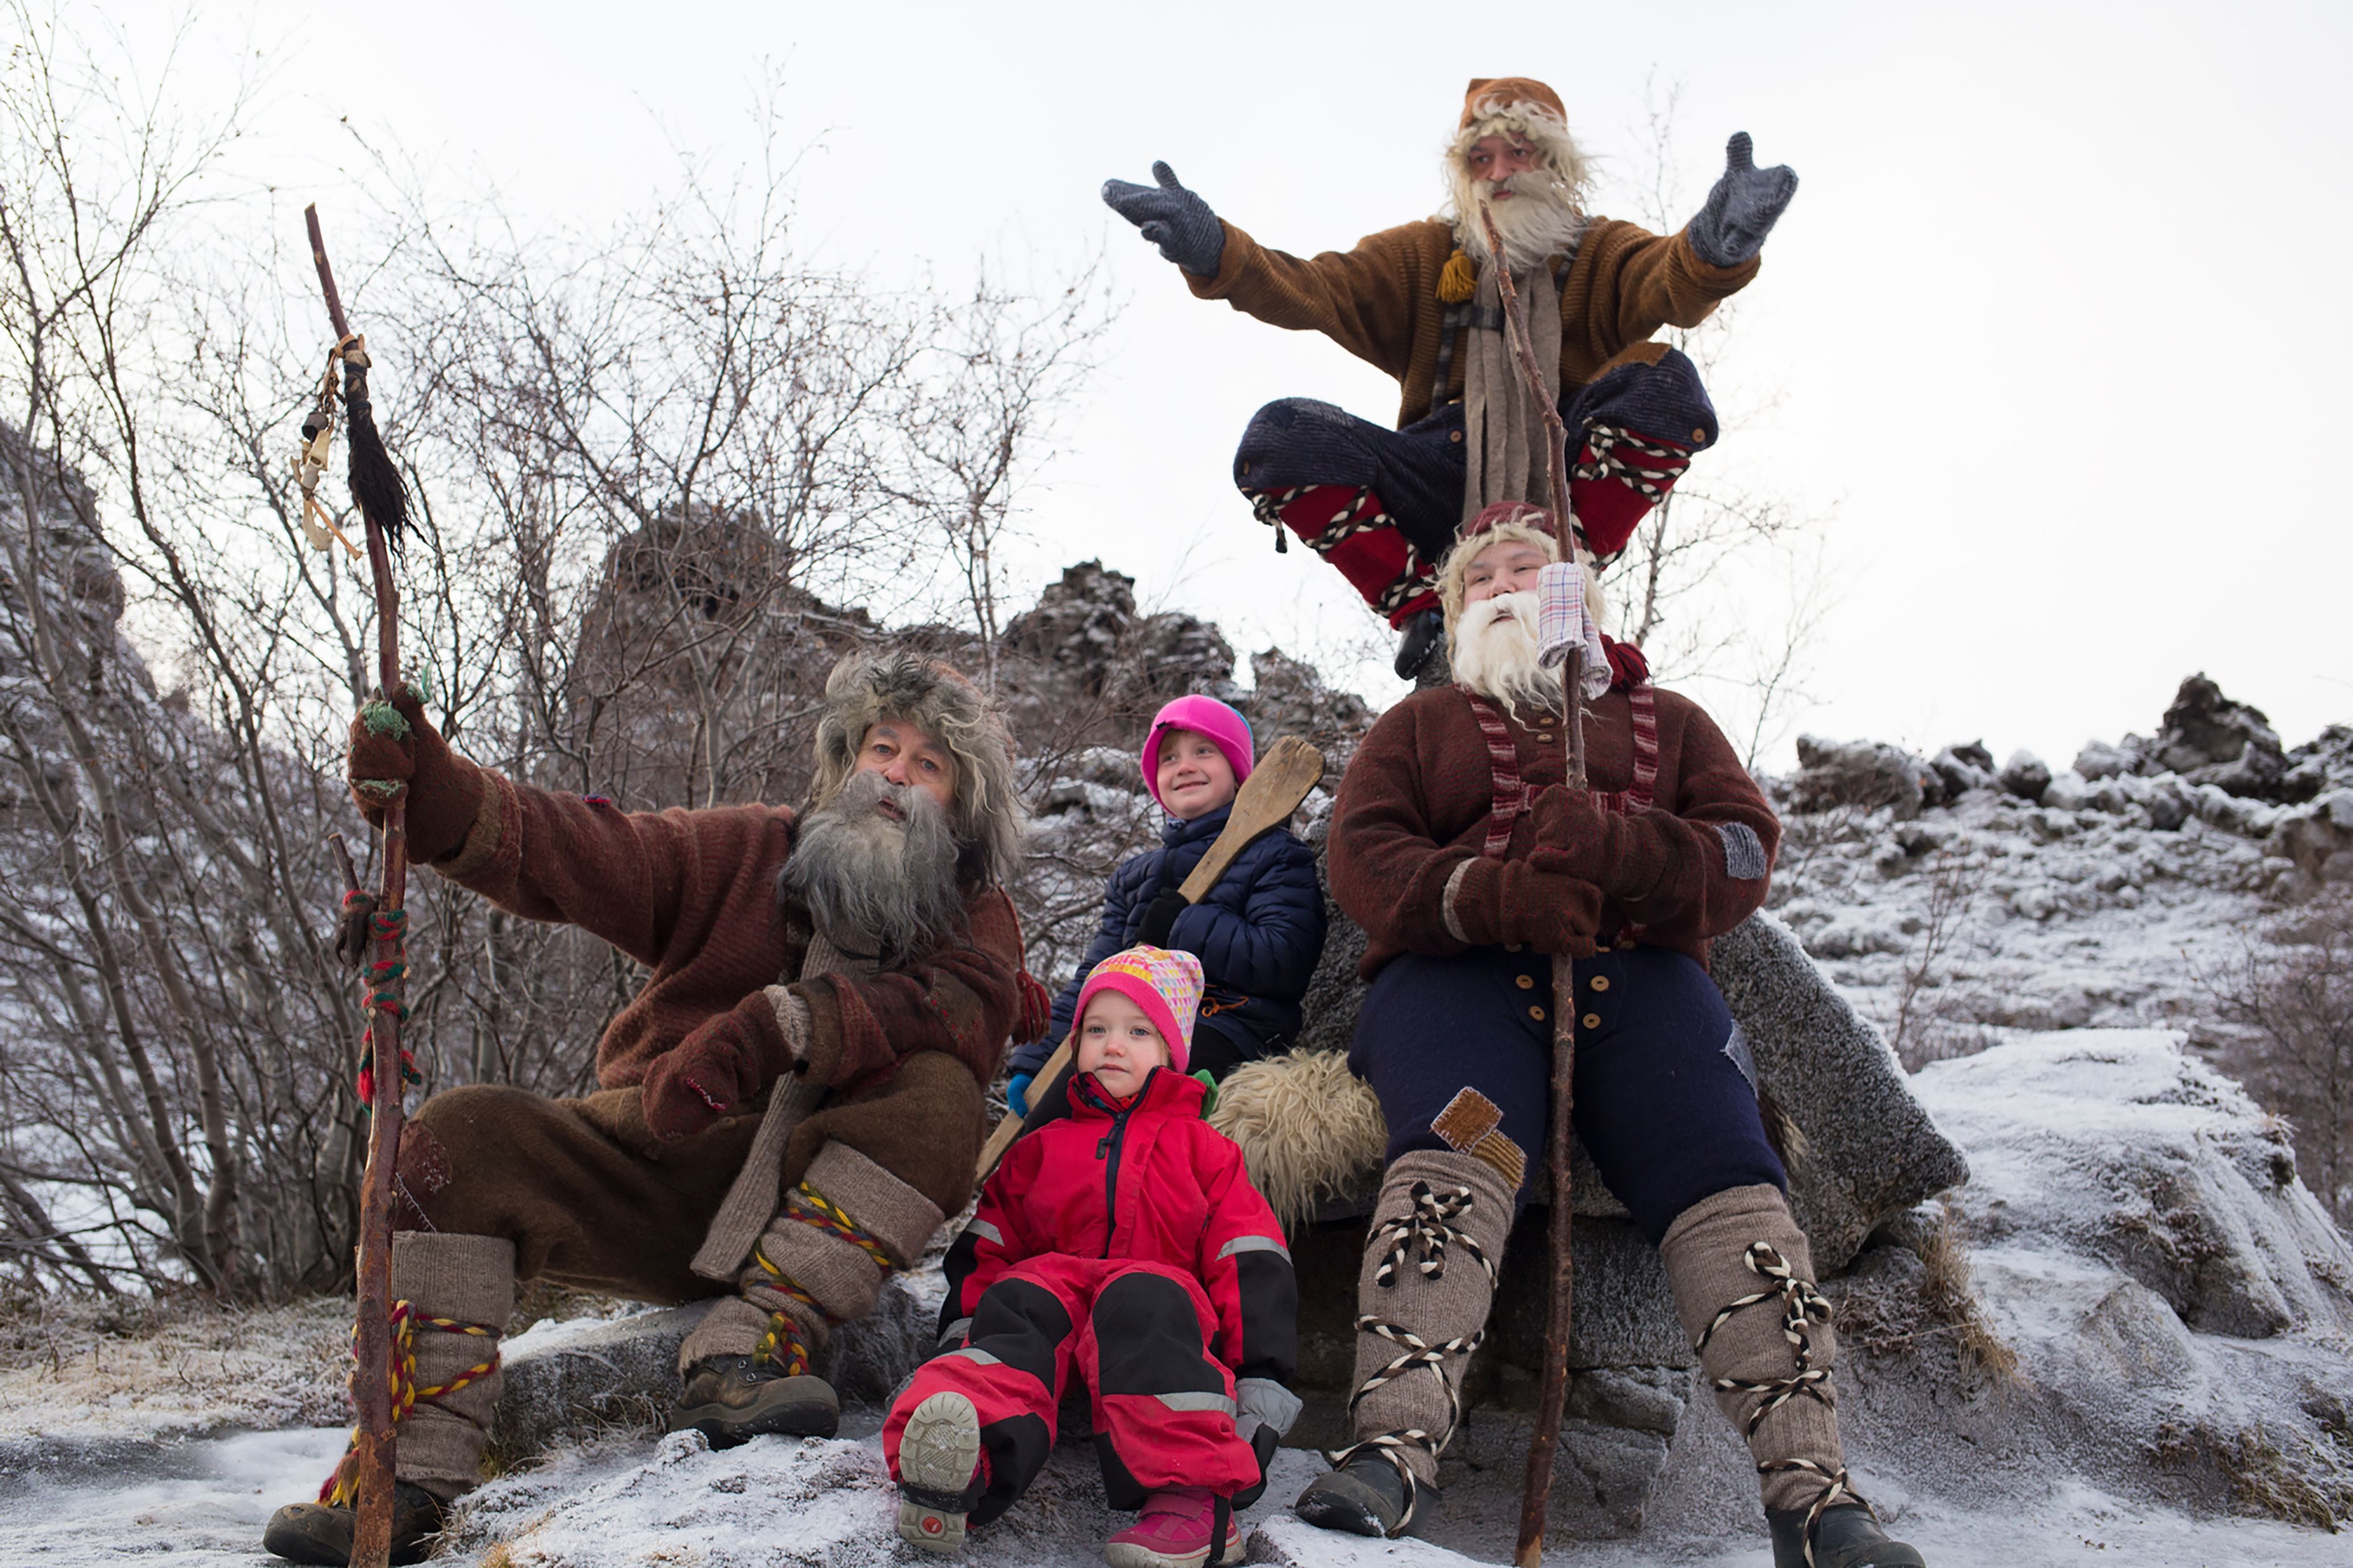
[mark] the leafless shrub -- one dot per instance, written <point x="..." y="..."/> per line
<point x="1921" y="1028"/>
<point x="653" y="461"/>
<point x="2285" y="1012"/>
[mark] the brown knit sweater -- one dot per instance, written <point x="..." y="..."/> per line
<point x="1380" y="301"/>
<point x="691" y="895"/>
<point x="1414" y="805"/>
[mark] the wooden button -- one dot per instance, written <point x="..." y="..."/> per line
<point x="1528" y="982"/>
<point x="1698" y="434"/>
<point x="1538" y="1013"/>
<point x="1245" y="467"/>
<point x="1601" y="983"/>
<point x="1590" y="1021"/>
<point x="1544" y="737"/>
<point x="1512" y="947"/>
<point x="1454" y="435"/>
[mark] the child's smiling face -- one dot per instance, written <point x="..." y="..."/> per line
<point x="1118" y="1043"/>
<point x="1194" y="778"/>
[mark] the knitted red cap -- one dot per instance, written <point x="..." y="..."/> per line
<point x="1488" y="94"/>
<point x="1504" y="512"/>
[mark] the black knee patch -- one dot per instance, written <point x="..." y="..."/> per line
<point x="1300" y="441"/>
<point x="1017" y="1448"/>
<point x="1022" y="1325"/>
<point x="1148" y="1340"/>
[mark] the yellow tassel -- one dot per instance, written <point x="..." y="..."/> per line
<point x="1459" y="279"/>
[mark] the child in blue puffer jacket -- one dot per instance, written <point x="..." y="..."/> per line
<point x="1256" y="933"/>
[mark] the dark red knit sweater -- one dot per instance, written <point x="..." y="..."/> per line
<point x="691" y="895"/>
<point x="1415" y="801"/>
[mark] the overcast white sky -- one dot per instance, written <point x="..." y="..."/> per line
<point x="2057" y="320"/>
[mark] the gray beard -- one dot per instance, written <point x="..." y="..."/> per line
<point x="1537" y="223"/>
<point x="875" y="887"/>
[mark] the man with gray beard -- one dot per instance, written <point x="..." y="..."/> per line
<point x="1458" y="846"/>
<point x="786" y="1109"/>
<point x="1422" y="302"/>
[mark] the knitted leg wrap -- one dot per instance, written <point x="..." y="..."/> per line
<point x="452" y="1296"/>
<point x="1743" y="1281"/>
<point x="821" y="1262"/>
<point x="1423" y="1292"/>
<point x="1348" y="526"/>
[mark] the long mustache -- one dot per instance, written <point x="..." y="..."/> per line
<point x="866" y="877"/>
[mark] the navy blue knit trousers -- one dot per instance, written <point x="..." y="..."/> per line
<point x="1460" y="1049"/>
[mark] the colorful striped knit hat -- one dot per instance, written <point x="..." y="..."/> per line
<point x="1167" y="985"/>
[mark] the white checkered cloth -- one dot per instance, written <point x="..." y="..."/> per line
<point x="1562" y="621"/>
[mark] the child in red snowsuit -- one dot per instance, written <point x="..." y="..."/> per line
<point x="1125" y="1245"/>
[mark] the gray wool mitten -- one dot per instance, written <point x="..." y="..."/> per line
<point x="1744" y="206"/>
<point x="1173" y="218"/>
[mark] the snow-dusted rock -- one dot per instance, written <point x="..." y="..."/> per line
<point x="2026" y="775"/>
<point x="2181" y="1305"/>
<point x="1866" y="1148"/>
<point x="1856" y="773"/>
<point x="565" y="1379"/>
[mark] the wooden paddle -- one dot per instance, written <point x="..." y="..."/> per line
<point x="1281" y="781"/>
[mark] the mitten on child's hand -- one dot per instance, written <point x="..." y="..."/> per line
<point x="1160" y="917"/>
<point x="1016" y="1092"/>
<point x="726" y="1061"/>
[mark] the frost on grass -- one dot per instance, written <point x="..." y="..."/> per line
<point x="77" y="1369"/>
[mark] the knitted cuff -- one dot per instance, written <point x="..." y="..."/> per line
<point x="1453" y="888"/>
<point x="886" y="1208"/>
<point x="793" y="1020"/>
<point x="480" y="844"/>
<point x="448" y="1275"/>
<point x="733" y="1326"/>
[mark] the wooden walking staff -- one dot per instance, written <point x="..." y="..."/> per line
<point x="383" y="500"/>
<point x="1553" y="1393"/>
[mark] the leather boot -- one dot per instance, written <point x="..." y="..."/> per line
<point x="1422" y="1295"/>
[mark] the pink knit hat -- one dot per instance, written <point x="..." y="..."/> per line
<point x="1226" y="730"/>
<point x="1167" y="985"/>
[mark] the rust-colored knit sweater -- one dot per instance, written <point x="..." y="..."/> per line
<point x="1414" y="806"/>
<point x="1380" y="301"/>
<point x="691" y="895"/>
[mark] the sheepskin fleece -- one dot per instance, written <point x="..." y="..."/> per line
<point x="1307" y="1126"/>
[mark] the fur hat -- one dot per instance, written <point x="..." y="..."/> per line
<point x="1490" y="96"/>
<point x="1167" y="985"/>
<point x="1226" y="730"/>
<point x="865" y="689"/>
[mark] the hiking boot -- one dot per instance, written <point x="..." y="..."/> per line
<point x="731" y="1399"/>
<point x="322" y="1532"/>
<point x="940" y="1475"/>
<point x="1423" y="634"/>
<point x="1849" y="1537"/>
<point x="1364" y="1497"/>
<point x="1176" y="1530"/>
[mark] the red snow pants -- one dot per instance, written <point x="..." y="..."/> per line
<point x="1137" y="1334"/>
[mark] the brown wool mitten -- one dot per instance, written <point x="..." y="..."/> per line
<point x="726" y="1061"/>
<point x="397" y="755"/>
<point x="1533" y="901"/>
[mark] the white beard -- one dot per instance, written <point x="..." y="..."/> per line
<point x="1539" y="221"/>
<point x="1496" y="656"/>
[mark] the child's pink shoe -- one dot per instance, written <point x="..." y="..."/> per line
<point x="1174" y="1533"/>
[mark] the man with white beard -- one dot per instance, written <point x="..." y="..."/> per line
<point x="1421" y="301"/>
<point x="1457" y="845"/>
<point x="864" y="948"/>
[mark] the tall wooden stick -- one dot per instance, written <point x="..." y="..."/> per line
<point x="1536" y="1491"/>
<point x="372" y="1378"/>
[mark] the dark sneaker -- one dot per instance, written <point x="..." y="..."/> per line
<point x="732" y="1399"/>
<point x="939" y="1472"/>
<point x="1422" y="636"/>
<point x="1364" y="1497"/>
<point x="322" y="1532"/>
<point x="1850" y="1537"/>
